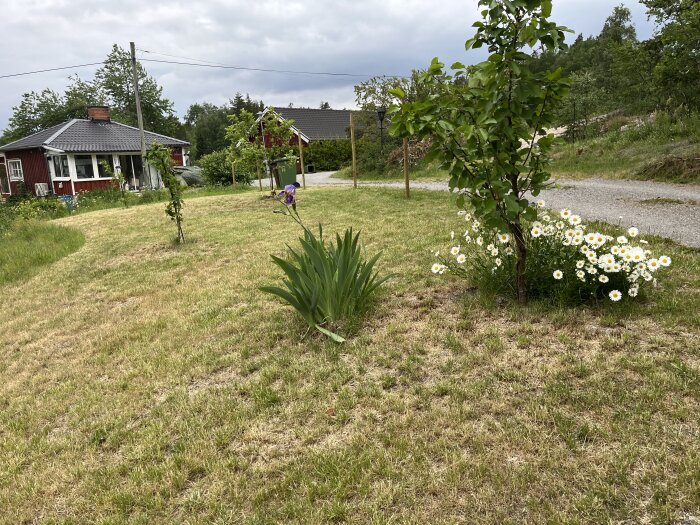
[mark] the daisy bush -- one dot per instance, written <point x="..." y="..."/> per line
<point x="567" y="260"/>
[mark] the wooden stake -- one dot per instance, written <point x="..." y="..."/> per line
<point x="233" y="173"/>
<point x="354" y="157"/>
<point x="405" y="168"/>
<point x="301" y="160"/>
<point x="257" y="165"/>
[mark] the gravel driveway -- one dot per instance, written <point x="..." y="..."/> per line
<point x="668" y="210"/>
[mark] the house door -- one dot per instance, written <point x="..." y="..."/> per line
<point x="4" y="180"/>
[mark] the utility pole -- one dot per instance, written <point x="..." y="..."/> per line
<point x="354" y="157"/>
<point x="139" y="115"/>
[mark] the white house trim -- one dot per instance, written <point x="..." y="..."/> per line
<point x="64" y="128"/>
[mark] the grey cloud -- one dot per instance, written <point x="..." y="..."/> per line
<point x="361" y="36"/>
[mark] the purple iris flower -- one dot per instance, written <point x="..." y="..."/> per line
<point x="289" y="194"/>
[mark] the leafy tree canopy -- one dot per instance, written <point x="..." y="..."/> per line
<point x="112" y="86"/>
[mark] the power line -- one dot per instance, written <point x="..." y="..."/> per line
<point x="52" y="69"/>
<point x="206" y="63"/>
<point x="259" y="69"/>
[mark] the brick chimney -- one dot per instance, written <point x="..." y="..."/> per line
<point x="98" y="113"/>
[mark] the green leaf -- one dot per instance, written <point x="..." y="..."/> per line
<point x="334" y="336"/>
<point x="546" y="8"/>
<point x="398" y="92"/>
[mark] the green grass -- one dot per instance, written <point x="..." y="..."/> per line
<point x="158" y="385"/>
<point x="29" y="245"/>
<point x="664" y="150"/>
<point x="425" y="173"/>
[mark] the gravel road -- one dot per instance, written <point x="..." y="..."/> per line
<point x="668" y="210"/>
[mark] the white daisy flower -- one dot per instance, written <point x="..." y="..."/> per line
<point x="665" y="260"/>
<point x="622" y="239"/>
<point x="536" y="232"/>
<point x="581" y="275"/>
<point x="560" y="225"/>
<point x="498" y="261"/>
<point x="540" y="203"/>
<point x="565" y="214"/>
<point x="558" y="275"/>
<point x="461" y="258"/>
<point x="455" y="250"/>
<point x="653" y="265"/>
<point x="509" y="251"/>
<point x="504" y="238"/>
<point x="580" y="264"/>
<point x="480" y="241"/>
<point x="494" y="252"/>
<point x="574" y="220"/>
<point x="633" y="291"/>
<point x="436" y="268"/>
<point x="603" y="279"/>
<point x="615" y="295"/>
<point x="633" y="232"/>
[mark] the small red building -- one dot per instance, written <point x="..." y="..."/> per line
<point x="68" y="158"/>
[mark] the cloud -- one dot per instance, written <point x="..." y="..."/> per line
<point x="368" y="37"/>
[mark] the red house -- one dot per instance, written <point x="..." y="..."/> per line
<point x="67" y="158"/>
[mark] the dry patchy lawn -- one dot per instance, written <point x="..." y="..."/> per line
<point x="146" y="383"/>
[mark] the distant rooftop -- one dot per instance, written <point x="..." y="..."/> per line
<point x="319" y="124"/>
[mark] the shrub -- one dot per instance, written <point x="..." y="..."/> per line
<point x="326" y="283"/>
<point x="567" y="263"/>
<point x="216" y="169"/>
<point x="99" y="198"/>
<point x="148" y="196"/>
<point x="327" y="155"/>
<point x="44" y="208"/>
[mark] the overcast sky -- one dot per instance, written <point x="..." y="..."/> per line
<point x="366" y="37"/>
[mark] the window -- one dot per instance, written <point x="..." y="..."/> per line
<point x="60" y="166"/>
<point x="102" y="172"/>
<point x="83" y="167"/>
<point x="15" y="169"/>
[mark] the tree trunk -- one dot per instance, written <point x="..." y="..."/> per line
<point x="521" y="252"/>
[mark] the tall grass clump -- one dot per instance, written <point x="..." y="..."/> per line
<point x="30" y="244"/>
<point x="327" y="283"/>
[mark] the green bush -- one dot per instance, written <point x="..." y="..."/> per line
<point x="148" y="196"/>
<point x="216" y="169"/>
<point x="329" y="155"/>
<point x="43" y="208"/>
<point x="327" y="283"/>
<point x="567" y="262"/>
<point x="101" y="198"/>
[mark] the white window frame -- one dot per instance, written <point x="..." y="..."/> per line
<point x="95" y="164"/>
<point x="66" y="176"/>
<point x="10" y="171"/>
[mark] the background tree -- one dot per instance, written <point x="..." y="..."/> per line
<point x="205" y="123"/>
<point x="488" y="121"/>
<point x="678" y="41"/>
<point x="112" y="85"/>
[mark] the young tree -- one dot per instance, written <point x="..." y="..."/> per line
<point x="488" y="122"/>
<point x="245" y="144"/>
<point x="160" y="158"/>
